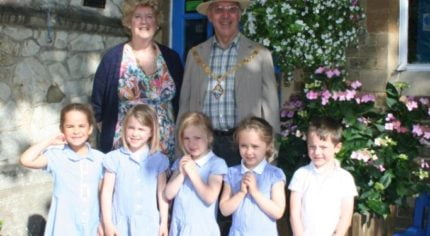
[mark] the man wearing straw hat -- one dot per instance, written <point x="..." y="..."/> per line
<point x="229" y="77"/>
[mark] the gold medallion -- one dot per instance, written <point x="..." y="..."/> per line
<point x="218" y="90"/>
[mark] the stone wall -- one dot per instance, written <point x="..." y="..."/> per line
<point x="49" y="51"/>
<point x="46" y="61"/>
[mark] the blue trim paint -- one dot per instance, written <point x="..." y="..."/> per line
<point x="179" y="16"/>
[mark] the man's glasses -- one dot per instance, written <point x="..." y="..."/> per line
<point x="230" y="10"/>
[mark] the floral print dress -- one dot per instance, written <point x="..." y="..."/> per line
<point x="157" y="90"/>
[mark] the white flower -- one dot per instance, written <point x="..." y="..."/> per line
<point x="266" y="42"/>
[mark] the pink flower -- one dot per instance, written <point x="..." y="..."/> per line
<point x="388" y="126"/>
<point x="335" y="96"/>
<point x="380" y="168"/>
<point x="426" y="135"/>
<point x="424" y="101"/>
<point x="363" y="120"/>
<point x="312" y="95"/>
<point x="390" y="117"/>
<point x="320" y="70"/>
<point x="336" y="72"/>
<point x="396" y="125"/>
<point x="411" y="104"/>
<point x="284" y="112"/>
<point x="325" y="96"/>
<point x="364" y="155"/>
<point x="342" y="96"/>
<point x="402" y="130"/>
<point x="350" y="94"/>
<point x="356" y="84"/>
<point x="424" y="164"/>
<point x="332" y="73"/>
<point x="417" y="130"/>
<point x="368" y="98"/>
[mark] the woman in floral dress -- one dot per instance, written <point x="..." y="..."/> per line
<point x="136" y="72"/>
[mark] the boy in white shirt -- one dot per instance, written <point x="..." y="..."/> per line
<point x="322" y="193"/>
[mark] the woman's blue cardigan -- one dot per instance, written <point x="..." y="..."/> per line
<point x="104" y="98"/>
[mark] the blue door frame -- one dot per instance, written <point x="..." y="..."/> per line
<point x="179" y="18"/>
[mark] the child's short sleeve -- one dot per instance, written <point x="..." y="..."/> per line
<point x="349" y="188"/>
<point x="111" y="163"/>
<point x="163" y="163"/>
<point x="298" y="180"/>
<point x="278" y="175"/>
<point x="175" y="165"/>
<point x="227" y="177"/>
<point x="233" y="175"/>
<point x="219" y="167"/>
<point x="99" y="158"/>
<point x="50" y="157"/>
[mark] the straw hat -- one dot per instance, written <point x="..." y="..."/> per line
<point x="202" y="8"/>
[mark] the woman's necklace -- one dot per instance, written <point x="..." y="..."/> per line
<point x="218" y="90"/>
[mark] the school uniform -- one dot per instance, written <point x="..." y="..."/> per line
<point x="75" y="202"/>
<point x="191" y="215"/>
<point x="249" y="219"/>
<point x="134" y="206"/>
<point x="321" y="197"/>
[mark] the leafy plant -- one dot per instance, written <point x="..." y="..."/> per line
<point x="304" y="33"/>
<point x="380" y="142"/>
<point x="380" y="145"/>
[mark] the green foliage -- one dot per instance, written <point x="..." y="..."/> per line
<point x="304" y="33"/>
<point x="380" y="145"/>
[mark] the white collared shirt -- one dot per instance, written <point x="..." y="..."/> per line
<point x="322" y="193"/>
<point x="202" y="160"/>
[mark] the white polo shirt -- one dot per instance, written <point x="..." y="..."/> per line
<point x="321" y="195"/>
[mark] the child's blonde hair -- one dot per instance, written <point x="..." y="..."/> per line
<point x="194" y="119"/>
<point x="147" y="117"/>
<point x="262" y="127"/>
<point x="326" y="127"/>
<point x="84" y="108"/>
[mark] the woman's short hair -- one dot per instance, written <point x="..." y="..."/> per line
<point x="129" y="6"/>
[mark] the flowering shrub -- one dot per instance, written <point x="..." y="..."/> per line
<point x="380" y="146"/>
<point x="380" y="143"/>
<point x="304" y="33"/>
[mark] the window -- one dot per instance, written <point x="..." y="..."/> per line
<point x="95" y="3"/>
<point x="189" y="28"/>
<point x="414" y="35"/>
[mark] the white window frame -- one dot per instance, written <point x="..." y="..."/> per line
<point x="403" y="41"/>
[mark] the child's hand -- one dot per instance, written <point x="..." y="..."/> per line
<point x="58" y="139"/>
<point x="251" y="182"/>
<point x="188" y="165"/>
<point x="163" y="231"/>
<point x="100" y="231"/>
<point x="110" y="230"/>
<point x="243" y="186"/>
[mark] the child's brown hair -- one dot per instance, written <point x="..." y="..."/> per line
<point x="84" y="108"/>
<point x="262" y="127"/>
<point x="326" y="127"/>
